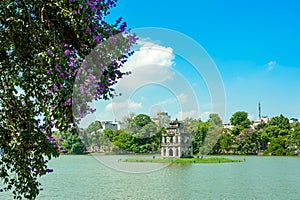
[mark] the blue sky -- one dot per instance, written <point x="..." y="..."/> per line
<point x="255" y="46"/>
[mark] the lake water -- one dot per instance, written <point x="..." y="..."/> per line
<point x="105" y="177"/>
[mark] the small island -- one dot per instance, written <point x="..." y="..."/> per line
<point x="206" y="160"/>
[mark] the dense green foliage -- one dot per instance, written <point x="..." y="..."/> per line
<point x="278" y="137"/>
<point x="240" y="119"/>
<point x="140" y="135"/>
<point x="69" y="143"/>
<point x="141" y="120"/>
<point x="44" y="49"/>
<point x="93" y="127"/>
<point x="205" y="134"/>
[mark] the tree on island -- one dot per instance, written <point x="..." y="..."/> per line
<point x="205" y="134"/>
<point x="43" y="46"/>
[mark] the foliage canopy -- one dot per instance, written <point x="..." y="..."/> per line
<point x="43" y="46"/>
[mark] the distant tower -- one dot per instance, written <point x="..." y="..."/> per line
<point x="259" y="111"/>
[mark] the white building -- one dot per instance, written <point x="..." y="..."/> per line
<point x="176" y="142"/>
<point x="113" y="125"/>
<point x="262" y="120"/>
<point x="228" y="125"/>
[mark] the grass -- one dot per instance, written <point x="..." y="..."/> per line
<point x="183" y="160"/>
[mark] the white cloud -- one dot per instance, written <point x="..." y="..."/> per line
<point x="181" y="115"/>
<point x="151" y="63"/>
<point x="128" y="104"/>
<point x="149" y="54"/>
<point x="182" y="97"/>
<point x="205" y="115"/>
<point x="167" y="101"/>
<point x="271" y="65"/>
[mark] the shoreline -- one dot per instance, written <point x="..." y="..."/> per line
<point x="205" y="160"/>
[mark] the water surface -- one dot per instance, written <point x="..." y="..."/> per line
<point x="85" y="177"/>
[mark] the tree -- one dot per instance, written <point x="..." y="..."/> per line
<point x="277" y="146"/>
<point x="215" y="120"/>
<point x="94" y="126"/>
<point x="162" y="119"/>
<point x="249" y="141"/>
<point x="70" y="143"/>
<point x="281" y="121"/>
<point x="50" y="50"/>
<point x="293" y="141"/>
<point x="226" y="142"/>
<point x="109" y="133"/>
<point x="147" y="131"/>
<point x="123" y="141"/>
<point x="200" y="135"/>
<point x="141" y="120"/>
<point x="192" y="125"/>
<point x="214" y="131"/>
<point x="240" y="118"/>
<point x="274" y="131"/>
<point x="128" y="123"/>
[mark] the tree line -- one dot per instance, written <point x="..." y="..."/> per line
<point x="276" y="137"/>
<point x="141" y="135"/>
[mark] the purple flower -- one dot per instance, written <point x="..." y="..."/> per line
<point x="68" y="102"/>
<point x="57" y="68"/>
<point x="55" y="87"/>
<point x="49" y="91"/>
<point x="49" y="170"/>
<point x="64" y="44"/>
<point x="67" y="52"/>
<point x="91" y="78"/>
<point x="88" y="30"/>
<point x="97" y="39"/>
<point x="49" y="53"/>
<point x="72" y="1"/>
<point x="71" y="63"/>
<point x="74" y="11"/>
<point x="49" y="71"/>
<point x="62" y="75"/>
<point x="83" y="64"/>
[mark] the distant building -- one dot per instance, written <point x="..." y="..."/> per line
<point x="113" y="125"/>
<point x="293" y="121"/>
<point x="262" y="120"/>
<point x="176" y="142"/>
<point x="228" y="125"/>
